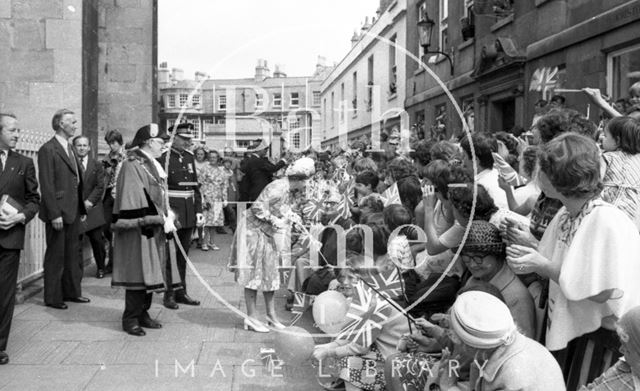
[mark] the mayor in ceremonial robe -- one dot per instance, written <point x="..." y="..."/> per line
<point x="141" y="228"/>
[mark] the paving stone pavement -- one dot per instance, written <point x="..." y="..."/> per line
<point x="198" y="348"/>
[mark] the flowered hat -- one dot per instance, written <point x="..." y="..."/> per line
<point x="484" y="238"/>
<point x="303" y="167"/>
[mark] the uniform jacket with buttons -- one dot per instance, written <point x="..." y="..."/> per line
<point x="181" y="175"/>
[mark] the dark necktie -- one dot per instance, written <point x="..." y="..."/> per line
<point x="74" y="162"/>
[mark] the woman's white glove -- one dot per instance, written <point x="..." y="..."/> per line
<point x="169" y="222"/>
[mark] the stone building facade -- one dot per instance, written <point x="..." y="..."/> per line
<point x="232" y="113"/>
<point x="95" y="57"/>
<point x="514" y="54"/>
<point x="364" y="95"/>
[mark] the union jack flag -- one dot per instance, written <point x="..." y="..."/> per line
<point x="391" y="195"/>
<point x="365" y="316"/>
<point x="312" y="209"/>
<point x="310" y="238"/>
<point x="386" y="282"/>
<point x="544" y="80"/>
<point x="348" y="194"/>
<point x="301" y="302"/>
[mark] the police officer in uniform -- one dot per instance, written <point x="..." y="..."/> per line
<point x="186" y="202"/>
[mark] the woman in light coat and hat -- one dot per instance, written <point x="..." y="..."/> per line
<point x="255" y="255"/>
<point x="141" y="221"/>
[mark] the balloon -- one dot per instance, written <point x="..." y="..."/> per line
<point x="329" y="311"/>
<point x="294" y="345"/>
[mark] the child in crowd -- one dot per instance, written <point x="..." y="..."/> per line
<point x="369" y="205"/>
<point x="399" y="251"/>
<point x="523" y="199"/>
<point x="622" y="157"/>
<point x="362" y="367"/>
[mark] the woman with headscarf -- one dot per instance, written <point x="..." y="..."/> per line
<point x="589" y="254"/>
<point x="141" y="223"/>
<point x="255" y="256"/>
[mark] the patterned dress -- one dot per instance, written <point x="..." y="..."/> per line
<point x="622" y="183"/>
<point x="214" y="192"/>
<point x="255" y="255"/>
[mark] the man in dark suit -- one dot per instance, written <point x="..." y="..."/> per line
<point x="258" y="171"/>
<point x="61" y="210"/>
<point x="92" y="192"/>
<point x="185" y="200"/>
<point x="18" y="181"/>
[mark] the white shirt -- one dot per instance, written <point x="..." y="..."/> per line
<point x="64" y="142"/>
<point x="3" y="158"/>
<point x="489" y="180"/>
<point x="65" y="145"/>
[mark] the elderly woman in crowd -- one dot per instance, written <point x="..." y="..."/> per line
<point x="483" y="253"/>
<point x="504" y="359"/>
<point x="255" y="257"/>
<point x="589" y="254"/>
<point x="625" y="374"/>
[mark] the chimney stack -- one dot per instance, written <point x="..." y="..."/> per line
<point x="278" y="71"/>
<point x="201" y="76"/>
<point x="178" y="74"/>
<point x="366" y="26"/>
<point x="354" y="39"/>
<point x="164" y="78"/>
<point x="262" y="70"/>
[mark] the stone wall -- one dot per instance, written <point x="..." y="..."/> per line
<point x="40" y="59"/>
<point x="127" y="65"/>
<point x="95" y="57"/>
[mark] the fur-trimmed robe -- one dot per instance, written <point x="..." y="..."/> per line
<point x="140" y="246"/>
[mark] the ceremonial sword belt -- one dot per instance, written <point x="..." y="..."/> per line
<point x="181" y="193"/>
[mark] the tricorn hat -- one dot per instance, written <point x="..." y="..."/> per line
<point x="147" y="132"/>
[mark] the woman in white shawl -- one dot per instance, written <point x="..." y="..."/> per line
<point x="589" y="252"/>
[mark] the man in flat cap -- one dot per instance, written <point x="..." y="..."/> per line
<point x="186" y="202"/>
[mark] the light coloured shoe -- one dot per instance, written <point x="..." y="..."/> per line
<point x="255" y="325"/>
<point x="205" y="247"/>
<point x="214" y="247"/>
<point x="275" y="324"/>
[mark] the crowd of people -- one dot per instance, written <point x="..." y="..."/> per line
<point x="516" y="255"/>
